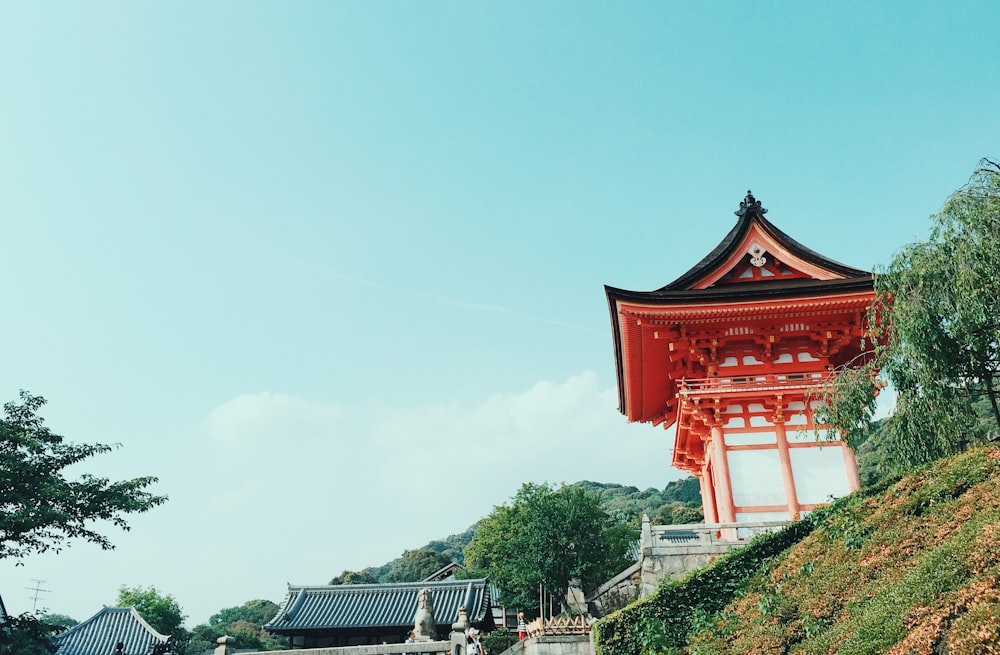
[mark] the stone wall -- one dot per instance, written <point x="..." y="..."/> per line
<point x="552" y="645"/>
<point x="558" y="645"/>
<point x="676" y="550"/>
<point x="375" y="649"/>
<point x="617" y="592"/>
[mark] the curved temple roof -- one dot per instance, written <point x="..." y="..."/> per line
<point x="99" y="634"/>
<point x="352" y="607"/>
<point x="751" y="215"/>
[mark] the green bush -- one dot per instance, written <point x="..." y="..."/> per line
<point x="499" y="640"/>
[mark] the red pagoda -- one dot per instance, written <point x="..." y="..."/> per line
<point x="730" y="352"/>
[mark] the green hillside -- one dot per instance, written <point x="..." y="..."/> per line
<point x="911" y="567"/>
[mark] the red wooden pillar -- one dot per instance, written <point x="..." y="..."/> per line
<point x="787" y="476"/>
<point x="720" y="475"/>
<point x="708" y="496"/>
<point x="851" y="466"/>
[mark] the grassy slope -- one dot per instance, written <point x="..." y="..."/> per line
<point x="914" y="569"/>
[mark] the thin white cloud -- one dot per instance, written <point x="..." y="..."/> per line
<point x="439" y="299"/>
<point x="267" y="417"/>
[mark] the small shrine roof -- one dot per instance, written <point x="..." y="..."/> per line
<point x="446" y="572"/>
<point x="353" y="607"/>
<point x="99" y="634"/>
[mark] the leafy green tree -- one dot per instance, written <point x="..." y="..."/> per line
<point x="678" y="502"/>
<point x="27" y="635"/>
<point x="251" y="635"/>
<point x="243" y="623"/>
<point x="453" y="546"/>
<point x="160" y="611"/>
<point x="935" y="335"/>
<point x="60" y="620"/>
<point x="416" y="565"/>
<point x="546" y="537"/>
<point x="39" y="507"/>
<point x="202" y="638"/>
<point x="365" y="576"/>
<point x="499" y="640"/>
<point x="256" y="611"/>
<point x="686" y="490"/>
<point x="674" y="513"/>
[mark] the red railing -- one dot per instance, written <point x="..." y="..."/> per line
<point x="760" y="382"/>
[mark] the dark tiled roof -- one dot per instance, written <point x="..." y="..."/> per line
<point x="745" y="291"/>
<point x="354" y="607"/>
<point x="722" y="251"/>
<point x="99" y="634"/>
<point x="446" y="572"/>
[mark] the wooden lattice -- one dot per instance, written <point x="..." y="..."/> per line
<point x="560" y="625"/>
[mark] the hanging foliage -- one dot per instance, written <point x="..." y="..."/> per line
<point x="934" y="335"/>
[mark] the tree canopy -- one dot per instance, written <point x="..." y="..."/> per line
<point x="678" y="502"/>
<point x="256" y="611"/>
<point x="935" y="335"/>
<point x="546" y="537"/>
<point x="27" y="635"/>
<point x="365" y="576"/>
<point x="61" y="620"/>
<point x="39" y="507"/>
<point x="243" y="623"/>
<point x="161" y="611"/>
<point x="416" y="565"/>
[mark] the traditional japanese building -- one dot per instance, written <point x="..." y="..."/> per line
<point x="112" y="630"/>
<point x="730" y="354"/>
<point x="352" y="615"/>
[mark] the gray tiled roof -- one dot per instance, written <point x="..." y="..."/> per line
<point x="99" y="634"/>
<point x="346" y="607"/>
<point x="446" y="572"/>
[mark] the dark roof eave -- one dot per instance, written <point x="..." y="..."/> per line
<point x="323" y="604"/>
<point x="443" y="628"/>
<point x="740" y="292"/>
<point x="616" y="337"/>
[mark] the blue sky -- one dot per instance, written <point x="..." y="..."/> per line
<point x="334" y="271"/>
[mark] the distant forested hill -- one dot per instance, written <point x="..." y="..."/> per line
<point x="678" y="502"/>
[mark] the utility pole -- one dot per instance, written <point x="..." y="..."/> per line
<point x="38" y="590"/>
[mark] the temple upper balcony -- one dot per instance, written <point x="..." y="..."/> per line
<point x="751" y="386"/>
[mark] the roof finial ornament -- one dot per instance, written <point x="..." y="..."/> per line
<point x="750" y="204"/>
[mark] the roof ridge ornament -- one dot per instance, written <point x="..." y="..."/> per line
<point x="750" y="204"/>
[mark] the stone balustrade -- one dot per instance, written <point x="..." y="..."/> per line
<point x="374" y="649"/>
<point x="675" y="550"/>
